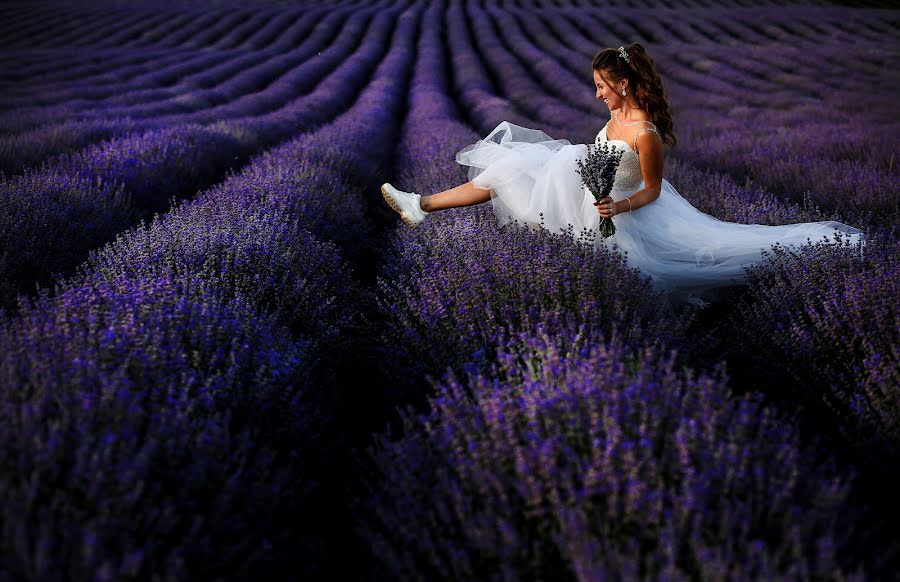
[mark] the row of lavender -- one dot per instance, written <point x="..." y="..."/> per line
<point x="53" y="26"/>
<point x="563" y="437"/>
<point x="142" y="77"/>
<point x="78" y="201"/>
<point x="172" y="410"/>
<point x="183" y="94"/>
<point x="205" y="93"/>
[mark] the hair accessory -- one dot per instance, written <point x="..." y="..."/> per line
<point x="624" y="54"/>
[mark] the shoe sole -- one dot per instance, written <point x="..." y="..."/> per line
<point x="390" y="201"/>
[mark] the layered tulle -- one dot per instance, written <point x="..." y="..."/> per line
<point x="687" y="253"/>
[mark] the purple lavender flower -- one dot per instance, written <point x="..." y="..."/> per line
<point x="599" y="462"/>
<point x="598" y="173"/>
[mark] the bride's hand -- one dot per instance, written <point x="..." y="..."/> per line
<point x="606" y="207"/>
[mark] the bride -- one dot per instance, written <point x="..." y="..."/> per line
<point x="530" y="177"/>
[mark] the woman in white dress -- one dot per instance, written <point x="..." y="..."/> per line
<point x="531" y="177"/>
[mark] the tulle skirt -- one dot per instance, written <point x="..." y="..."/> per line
<point x="686" y="253"/>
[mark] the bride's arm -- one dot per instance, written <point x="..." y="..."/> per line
<point x="651" y="156"/>
<point x="650" y="147"/>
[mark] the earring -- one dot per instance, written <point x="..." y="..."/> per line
<point x="623" y="91"/>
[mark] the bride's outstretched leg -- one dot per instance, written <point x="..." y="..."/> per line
<point x="414" y="209"/>
<point x="464" y="195"/>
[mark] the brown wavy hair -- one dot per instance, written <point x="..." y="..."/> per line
<point x="643" y="80"/>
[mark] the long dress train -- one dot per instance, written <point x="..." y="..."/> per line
<point x="687" y="253"/>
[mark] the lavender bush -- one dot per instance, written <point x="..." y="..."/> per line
<point x="164" y="163"/>
<point x="242" y="250"/>
<point x="744" y="202"/>
<point x="151" y="427"/>
<point x="238" y="243"/>
<point x="601" y="463"/>
<point x="284" y="104"/>
<point x="42" y="225"/>
<point x="790" y="167"/>
<point x="158" y="164"/>
<point x="459" y="283"/>
<point x="827" y="316"/>
<point x="78" y="202"/>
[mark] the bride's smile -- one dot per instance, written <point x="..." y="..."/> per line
<point x="607" y="93"/>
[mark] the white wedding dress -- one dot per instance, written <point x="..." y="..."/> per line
<point x="687" y="253"/>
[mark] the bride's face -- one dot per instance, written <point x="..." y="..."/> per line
<point x="606" y="91"/>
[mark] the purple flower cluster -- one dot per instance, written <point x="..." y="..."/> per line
<point x="225" y="308"/>
<point x="600" y="463"/>
<point x="24" y="150"/>
<point x="814" y="162"/>
<point x="160" y="164"/>
<point x="191" y="362"/>
<point x="598" y="172"/>
<point x="827" y="316"/>
<point x="459" y="284"/>
<point x="260" y="105"/>
<point x="523" y="74"/>
<point x="147" y="424"/>
<point x="42" y="225"/>
<point x="721" y="196"/>
<point x="53" y="216"/>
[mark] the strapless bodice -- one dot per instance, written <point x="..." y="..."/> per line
<point x="628" y="174"/>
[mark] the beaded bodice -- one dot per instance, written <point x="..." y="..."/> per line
<point x="628" y="175"/>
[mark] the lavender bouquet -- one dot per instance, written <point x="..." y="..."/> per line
<point x="598" y="171"/>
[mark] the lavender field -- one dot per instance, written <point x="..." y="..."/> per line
<point x="223" y="356"/>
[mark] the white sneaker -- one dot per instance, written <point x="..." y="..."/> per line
<point x="406" y="203"/>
